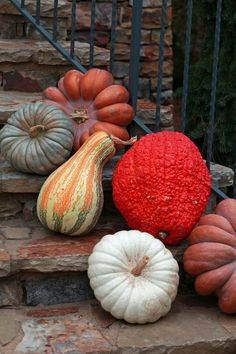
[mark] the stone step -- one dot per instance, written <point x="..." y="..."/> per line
<point x="12" y="181"/>
<point x="11" y="101"/>
<point x="32" y="65"/>
<point x="47" y="6"/>
<point x="36" y="264"/>
<point x="42" y="53"/>
<point x="193" y="325"/>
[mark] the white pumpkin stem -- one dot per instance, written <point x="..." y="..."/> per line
<point x="131" y="141"/>
<point x="35" y="130"/>
<point x="80" y="115"/>
<point x="137" y="270"/>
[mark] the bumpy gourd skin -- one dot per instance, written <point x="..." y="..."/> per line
<point x="161" y="186"/>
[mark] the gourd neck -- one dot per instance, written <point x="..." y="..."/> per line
<point x="137" y="270"/>
<point x="36" y="130"/>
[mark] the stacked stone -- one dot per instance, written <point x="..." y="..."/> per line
<point x="149" y="51"/>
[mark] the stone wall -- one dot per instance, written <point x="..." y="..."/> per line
<point x="150" y="39"/>
<point x="15" y="27"/>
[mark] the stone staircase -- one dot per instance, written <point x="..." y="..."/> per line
<point x="46" y="304"/>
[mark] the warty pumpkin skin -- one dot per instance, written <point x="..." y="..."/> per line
<point x="161" y="186"/>
<point x="134" y="276"/>
<point x="71" y="199"/>
<point x="211" y="256"/>
<point x="37" y="139"/>
<point x="94" y="103"/>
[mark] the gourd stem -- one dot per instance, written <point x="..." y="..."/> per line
<point x="35" y="130"/>
<point x="80" y="116"/>
<point x="163" y="234"/>
<point x="137" y="270"/>
<point x="131" y="141"/>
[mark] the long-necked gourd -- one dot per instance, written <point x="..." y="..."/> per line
<point x="71" y="199"/>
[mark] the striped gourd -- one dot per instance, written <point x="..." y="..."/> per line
<point x="71" y="199"/>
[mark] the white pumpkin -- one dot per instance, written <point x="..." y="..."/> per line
<point x="134" y="276"/>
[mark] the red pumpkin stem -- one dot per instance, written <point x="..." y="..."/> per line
<point x="137" y="270"/>
<point x="37" y="129"/>
<point x="80" y="115"/>
<point x="163" y="234"/>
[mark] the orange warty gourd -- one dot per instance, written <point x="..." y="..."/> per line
<point x="161" y="186"/>
<point x="93" y="102"/>
<point x="211" y="256"/>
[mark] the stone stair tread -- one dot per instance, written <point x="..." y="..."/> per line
<point x="28" y="246"/>
<point x="47" y="6"/>
<point x="12" y="181"/>
<point x="11" y="101"/>
<point x="43" y="53"/>
<point x="193" y="325"/>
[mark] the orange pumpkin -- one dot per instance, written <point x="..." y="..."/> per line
<point x="94" y="103"/>
<point x="211" y="256"/>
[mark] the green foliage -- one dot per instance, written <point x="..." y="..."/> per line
<point x="224" y="149"/>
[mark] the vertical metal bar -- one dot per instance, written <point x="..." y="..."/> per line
<point x="113" y="34"/>
<point x="214" y="82"/>
<point x="22" y="4"/>
<point x="73" y="26"/>
<point x="54" y="21"/>
<point x="187" y="48"/>
<point x="92" y="32"/>
<point x="38" y="9"/>
<point x="135" y="52"/>
<point x="160" y="64"/>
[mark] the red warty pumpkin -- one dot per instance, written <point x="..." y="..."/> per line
<point x="211" y="256"/>
<point x="94" y="102"/>
<point x="161" y="186"/>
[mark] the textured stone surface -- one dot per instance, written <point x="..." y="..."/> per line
<point x="9" y="207"/>
<point x="13" y="26"/>
<point x="12" y="181"/>
<point x="7" y="327"/>
<point x="48" y="252"/>
<point x="64" y="8"/>
<point x="29" y="210"/>
<point x="221" y="176"/>
<point x="5" y="261"/>
<point x="54" y="290"/>
<point x="41" y="52"/>
<point x="57" y="252"/>
<point x="10" y="292"/>
<point x="10" y="102"/>
<point x="192" y="326"/>
<point x="183" y="330"/>
<point x="15" y="233"/>
<point x="29" y="80"/>
<point x="147" y="111"/>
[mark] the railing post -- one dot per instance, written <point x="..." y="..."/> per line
<point x="214" y="83"/>
<point x="135" y="52"/>
<point x="113" y="34"/>
<point x="92" y="32"/>
<point x="160" y="64"/>
<point x="187" y="48"/>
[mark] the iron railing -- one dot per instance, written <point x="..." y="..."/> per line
<point x="134" y="61"/>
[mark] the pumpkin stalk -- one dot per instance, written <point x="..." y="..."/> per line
<point x="137" y="270"/>
<point x="80" y="116"/>
<point x="131" y="141"/>
<point x="37" y="129"/>
<point x="163" y="234"/>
